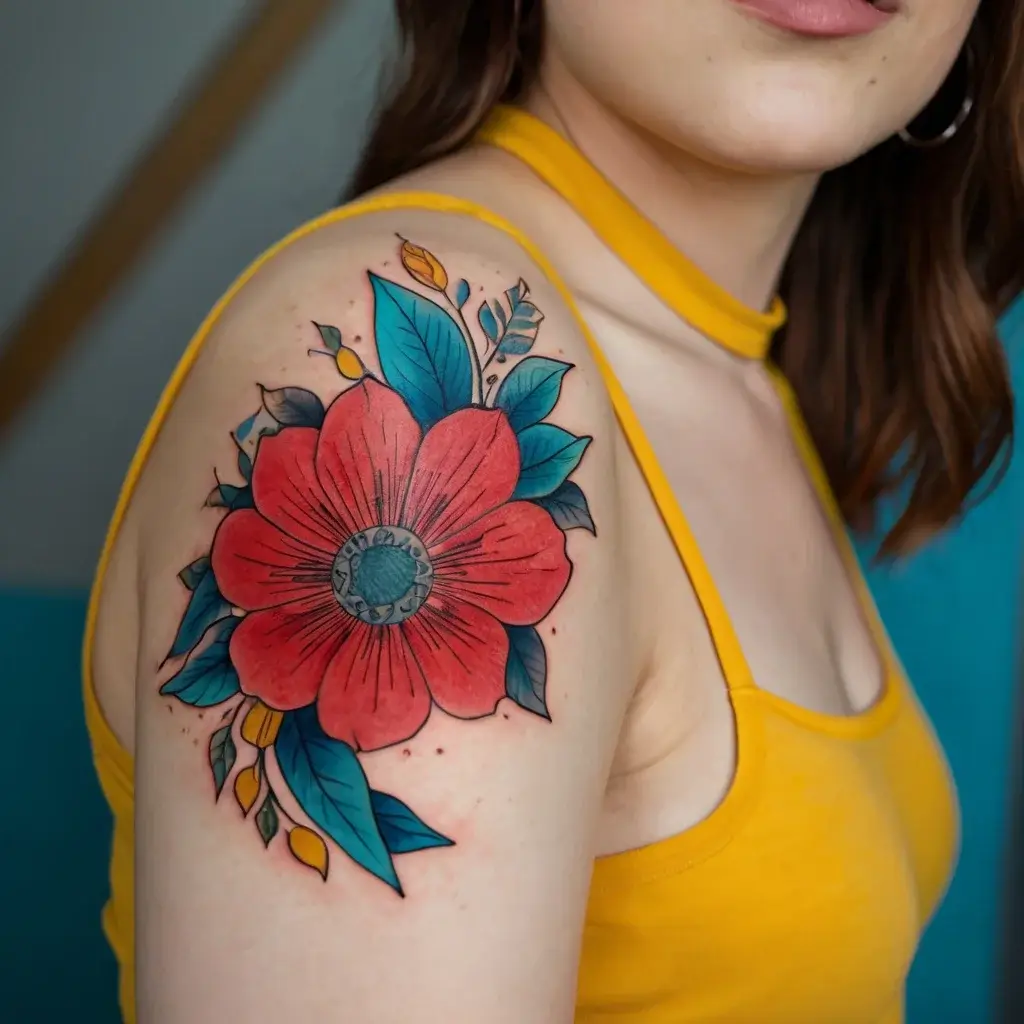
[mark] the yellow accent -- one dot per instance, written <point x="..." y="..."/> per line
<point x="802" y="896"/>
<point x="424" y="266"/>
<point x="669" y="273"/>
<point x="247" y="787"/>
<point x="260" y="725"/>
<point x="349" y="364"/>
<point x="309" y="848"/>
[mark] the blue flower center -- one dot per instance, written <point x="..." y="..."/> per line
<point x="382" y="575"/>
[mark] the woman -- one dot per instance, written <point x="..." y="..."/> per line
<point x="521" y="628"/>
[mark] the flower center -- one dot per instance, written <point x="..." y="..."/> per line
<point x="382" y="575"/>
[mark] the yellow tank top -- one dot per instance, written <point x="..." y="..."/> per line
<point x="801" y="898"/>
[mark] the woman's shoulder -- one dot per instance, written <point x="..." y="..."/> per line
<point x="411" y="320"/>
<point x="453" y="253"/>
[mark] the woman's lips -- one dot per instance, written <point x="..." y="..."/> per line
<point x="828" y="18"/>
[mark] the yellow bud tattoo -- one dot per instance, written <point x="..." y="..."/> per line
<point x="260" y="725"/>
<point x="424" y="266"/>
<point x="308" y="848"/>
<point x="349" y="364"/>
<point x="247" y="788"/>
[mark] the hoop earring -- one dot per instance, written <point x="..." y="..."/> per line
<point x="963" y="112"/>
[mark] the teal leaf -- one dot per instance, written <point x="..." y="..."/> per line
<point x="207" y="677"/>
<point x="500" y="310"/>
<point x="331" y="336"/>
<point x="267" y="822"/>
<point x="325" y="777"/>
<point x="294" y="407"/>
<point x="523" y="324"/>
<point x="422" y="352"/>
<point x="245" y="466"/>
<point x="205" y="606"/>
<point x="402" y="830"/>
<point x="568" y="507"/>
<point x="516" y="292"/>
<point x="231" y="497"/>
<point x="526" y="671"/>
<point x="245" y="427"/>
<point x="531" y="390"/>
<point x="192" y="574"/>
<point x="222" y="756"/>
<point x="487" y="322"/>
<point x="462" y="293"/>
<point x="548" y="455"/>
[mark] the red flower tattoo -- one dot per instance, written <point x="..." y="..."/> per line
<point x="379" y="566"/>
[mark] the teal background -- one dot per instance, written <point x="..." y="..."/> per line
<point x="952" y="611"/>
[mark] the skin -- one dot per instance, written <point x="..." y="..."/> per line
<point x="641" y="746"/>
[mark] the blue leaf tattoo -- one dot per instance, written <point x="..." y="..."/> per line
<point x="208" y="677"/>
<point x="548" y="455"/>
<point x="526" y="671"/>
<point x="422" y="352"/>
<point x="531" y="390"/>
<point x="325" y="777"/>
<point x="401" y="829"/>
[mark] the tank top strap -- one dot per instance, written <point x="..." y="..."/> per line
<point x="680" y="284"/>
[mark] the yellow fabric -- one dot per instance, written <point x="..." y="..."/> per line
<point x="802" y="896"/>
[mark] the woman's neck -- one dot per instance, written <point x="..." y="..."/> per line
<point x="736" y="227"/>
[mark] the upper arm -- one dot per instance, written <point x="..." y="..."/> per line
<point x="369" y="772"/>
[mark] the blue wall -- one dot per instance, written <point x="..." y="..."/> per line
<point x="54" y="826"/>
<point x="952" y="612"/>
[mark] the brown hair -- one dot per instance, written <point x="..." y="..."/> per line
<point x="904" y="260"/>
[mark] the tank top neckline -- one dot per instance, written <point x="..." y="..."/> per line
<point x="668" y="272"/>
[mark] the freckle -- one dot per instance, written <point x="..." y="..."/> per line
<point x="440" y="750"/>
<point x="201" y="714"/>
<point x="406" y="752"/>
<point x="872" y="81"/>
<point x="195" y="742"/>
<point x="505" y="717"/>
<point x="387" y="263"/>
<point x="553" y="631"/>
<point x="170" y="708"/>
<point x="358" y="337"/>
<point x="183" y="730"/>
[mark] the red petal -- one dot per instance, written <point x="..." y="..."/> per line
<point x="462" y="651"/>
<point x="467" y="465"/>
<point x="285" y="489"/>
<point x="365" y="454"/>
<point x="281" y="654"/>
<point x="510" y="562"/>
<point x="373" y="694"/>
<point x="258" y="566"/>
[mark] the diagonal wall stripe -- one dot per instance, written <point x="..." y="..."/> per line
<point x="203" y="129"/>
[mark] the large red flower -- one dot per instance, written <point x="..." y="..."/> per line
<point x="379" y="565"/>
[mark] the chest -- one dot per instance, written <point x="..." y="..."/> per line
<point x="752" y="589"/>
<point x="725" y="444"/>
